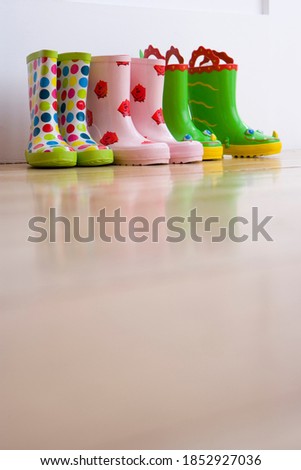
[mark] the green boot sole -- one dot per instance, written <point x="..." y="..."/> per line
<point x="57" y="158"/>
<point x="95" y="157"/>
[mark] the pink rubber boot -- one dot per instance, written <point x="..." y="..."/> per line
<point x="147" y="81"/>
<point x="109" y="117"/>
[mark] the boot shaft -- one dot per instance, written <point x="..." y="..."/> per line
<point x="175" y="100"/>
<point x="150" y="72"/>
<point x="109" y="100"/>
<point x="42" y="83"/>
<point x="147" y="82"/>
<point x="212" y="94"/>
<point x="111" y="80"/>
<point x="175" y="97"/>
<point x="73" y="77"/>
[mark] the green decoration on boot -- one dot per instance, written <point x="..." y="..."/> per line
<point x="212" y="101"/>
<point x="176" y="109"/>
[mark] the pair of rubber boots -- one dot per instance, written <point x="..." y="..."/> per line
<point x="201" y="101"/>
<point x="125" y="112"/>
<point x="57" y="100"/>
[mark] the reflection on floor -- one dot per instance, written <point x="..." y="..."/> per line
<point x="151" y="344"/>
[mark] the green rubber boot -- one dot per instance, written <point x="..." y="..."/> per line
<point x="176" y="109"/>
<point x="212" y="101"/>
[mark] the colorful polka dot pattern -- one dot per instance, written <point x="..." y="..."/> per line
<point x="44" y="131"/>
<point x="72" y="84"/>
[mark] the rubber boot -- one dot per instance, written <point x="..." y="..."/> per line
<point x="176" y="109"/>
<point x="212" y="100"/>
<point x="109" y="115"/>
<point x="46" y="147"/>
<point x="73" y="76"/>
<point x="147" y="81"/>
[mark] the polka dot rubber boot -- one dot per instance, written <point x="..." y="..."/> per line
<point x="73" y="76"/>
<point x="46" y="147"/>
<point x="109" y="114"/>
<point x="147" y="81"/>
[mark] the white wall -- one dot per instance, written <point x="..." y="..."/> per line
<point x="268" y="92"/>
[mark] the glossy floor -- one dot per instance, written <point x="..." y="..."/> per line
<point x="152" y="345"/>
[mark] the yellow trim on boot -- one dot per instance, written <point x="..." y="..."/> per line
<point x="256" y="150"/>
<point x="213" y="153"/>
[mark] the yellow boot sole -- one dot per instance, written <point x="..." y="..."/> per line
<point x="213" y="153"/>
<point x="250" y="151"/>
